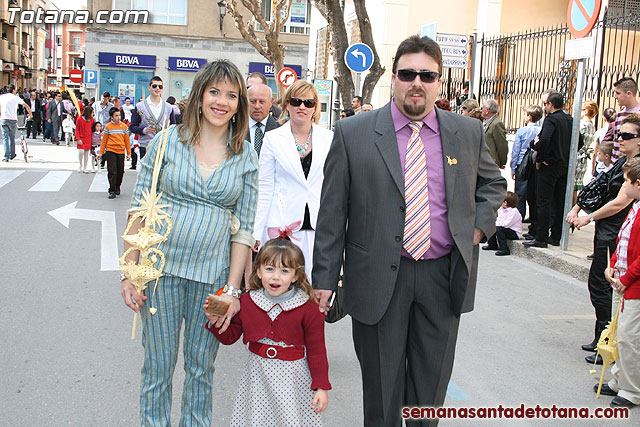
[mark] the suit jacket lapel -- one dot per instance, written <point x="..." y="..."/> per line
<point x="387" y="143"/>
<point x="450" y="147"/>
<point x="288" y="147"/>
<point x="320" y="150"/>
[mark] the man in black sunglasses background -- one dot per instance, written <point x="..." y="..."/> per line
<point x="150" y="114"/>
<point x="409" y="191"/>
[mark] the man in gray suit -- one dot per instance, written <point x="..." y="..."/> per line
<point x="56" y="111"/>
<point x="260" y="121"/>
<point x="409" y="265"/>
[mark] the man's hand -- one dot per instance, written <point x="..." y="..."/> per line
<point x="149" y="130"/>
<point x="573" y="214"/>
<point x="608" y="274"/>
<point x="477" y="236"/>
<point x="49" y="120"/>
<point x="323" y="296"/>
<point x="618" y="286"/>
<point x="130" y="295"/>
<point x="581" y="221"/>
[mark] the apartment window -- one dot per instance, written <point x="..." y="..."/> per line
<point x="172" y="12"/>
<point x="300" y="11"/>
<point x="75" y="44"/>
<point x="59" y="40"/>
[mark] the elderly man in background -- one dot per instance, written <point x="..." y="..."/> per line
<point x="366" y="107"/>
<point x="257" y="78"/>
<point x="495" y="134"/>
<point x="260" y="121"/>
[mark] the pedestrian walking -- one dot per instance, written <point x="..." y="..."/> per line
<point x="115" y="142"/>
<point x="55" y="110"/>
<point x="9" y="103"/>
<point x="286" y="377"/>
<point x="84" y="138"/>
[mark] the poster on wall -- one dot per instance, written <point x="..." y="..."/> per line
<point x="298" y="11"/>
<point x="127" y="89"/>
<point x="185" y="92"/>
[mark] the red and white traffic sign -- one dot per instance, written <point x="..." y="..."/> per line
<point x="582" y="16"/>
<point x="75" y="76"/>
<point x="287" y="76"/>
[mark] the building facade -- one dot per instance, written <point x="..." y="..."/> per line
<point x="175" y="42"/>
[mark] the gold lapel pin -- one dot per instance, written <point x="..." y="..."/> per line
<point x="451" y="161"/>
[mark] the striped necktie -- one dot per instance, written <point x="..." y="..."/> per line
<point x="257" y="141"/>
<point x="417" y="225"/>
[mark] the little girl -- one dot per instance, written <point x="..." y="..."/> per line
<point x="280" y="321"/>
<point x="84" y="137"/>
<point x="96" y="140"/>
<point x="508" y="226"/>
<point x="67" y="127"/>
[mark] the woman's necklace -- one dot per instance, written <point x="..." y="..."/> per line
<point x="302" y="148"/>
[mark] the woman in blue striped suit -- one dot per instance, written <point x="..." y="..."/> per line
<point x="209" y="181"/>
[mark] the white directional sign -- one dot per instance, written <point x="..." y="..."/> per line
<point x="109" y="239"/>
<point x="455" y="50"/>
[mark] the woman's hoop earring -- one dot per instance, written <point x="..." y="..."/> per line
<point x="200" y="111"/>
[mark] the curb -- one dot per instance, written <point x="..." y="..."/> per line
<point x="554" y="258"/>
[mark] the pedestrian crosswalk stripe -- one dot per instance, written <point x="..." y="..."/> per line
<point x="100" y="184"/>
<point x="52" y="181"/>
<point x="8" y="175"/>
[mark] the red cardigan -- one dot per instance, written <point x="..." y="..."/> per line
<point x="83" y="133"/>
<point x="631" y="279"/>
<point x="300" y="326"/>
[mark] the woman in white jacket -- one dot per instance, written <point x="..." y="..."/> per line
<point x="291" y="172"/>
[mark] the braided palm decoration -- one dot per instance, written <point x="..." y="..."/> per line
<point x="153" y="219"/>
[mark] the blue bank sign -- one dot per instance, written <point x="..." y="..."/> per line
<point x="123" y="60"/>
<point x="186" y="64"/>
<point x="268" y="69"/>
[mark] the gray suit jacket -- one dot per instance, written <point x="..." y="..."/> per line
<point x="271" y="125"/>
<point x="362" y="209"/>
<point x="53" y="111"/>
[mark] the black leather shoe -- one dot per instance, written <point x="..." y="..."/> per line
<point x="592" y="358"/>
<point x="534" y="244"/>
<point x="112" y="195"/>
<point x="503" y="253"/>
<point x="117" y="192"/>
<point x="489" y="248"/>
<point x="606" y="390"/>
<point x="591" y="257"/>
<point x="591" y="347"/>
<point x="13" y="157"/>
<point x="621" y="402"/>
<point x="554" y="242"/>
<point x="528" y="236"/>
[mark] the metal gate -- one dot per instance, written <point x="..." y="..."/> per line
<point x="516" y="69"/>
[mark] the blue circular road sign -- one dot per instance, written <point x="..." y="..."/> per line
<point x="358" y="57"/>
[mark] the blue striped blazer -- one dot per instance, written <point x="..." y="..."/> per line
<point x="198" y="247"/>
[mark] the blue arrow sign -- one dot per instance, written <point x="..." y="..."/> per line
<point x="358" y="57"/>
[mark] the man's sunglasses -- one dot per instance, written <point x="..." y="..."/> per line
<point x="410" y="75"/>
<point x="155" y="86"/>
<point x="296" y="102"/>
<point x="628" y="135"/>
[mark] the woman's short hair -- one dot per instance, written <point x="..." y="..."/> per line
<point x="216" y="72"/>
<point x="633" y="119"/>
<point x="443" y="104"/>
<point x="590" y="108"/>
<point x="294" y="91"/>
<point x="470" y="104"/>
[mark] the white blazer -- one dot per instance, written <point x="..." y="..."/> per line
<point x="283" y="191"/>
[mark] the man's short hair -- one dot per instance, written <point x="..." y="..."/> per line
<point x="257" y="86"/>
<point x="417" y="44"/>
<point x="549" y="91"/>
<point x="632" y="169"/>
<point x="106" y="94"/>
<point x="127" y="98"/>
<point x="556" y="99"/>
<point x="627" y="84"/>
<point x="113" y="110"/>
<point x="535" y="111"/>
<point x="259" y="75"/>
<point x="10" y="88"/>
<point x="609" y="114"/>
<point x="633" y="119"/>
<point x="155" y="79"/>
<point x="606" y="147"/>
<point x="359" y="98"/>
<point x="491" y="105"/>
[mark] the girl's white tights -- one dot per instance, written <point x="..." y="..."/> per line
<point x="83" y="159"/>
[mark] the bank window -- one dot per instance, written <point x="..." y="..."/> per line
<point x="172" y="12"/>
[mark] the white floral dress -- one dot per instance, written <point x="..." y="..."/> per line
<point x="273" y="392"/>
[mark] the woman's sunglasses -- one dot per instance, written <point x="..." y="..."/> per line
<point x="406" y="75"/>
<point x="628" y="135"/>
<point x="154" y="86"/>
<point x="296" y="102"/>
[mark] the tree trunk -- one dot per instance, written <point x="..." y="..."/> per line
<point x="366" y="34"/>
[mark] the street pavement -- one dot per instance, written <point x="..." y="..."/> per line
<point x="67" y="358"/>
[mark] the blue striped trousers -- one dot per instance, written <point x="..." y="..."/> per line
<point x="177" y="299"/>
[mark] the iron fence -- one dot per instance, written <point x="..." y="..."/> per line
<point x="516" y="69"/>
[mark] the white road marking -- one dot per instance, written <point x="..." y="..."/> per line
<point x="109" y="236"/>
<point x="100" y="183"/>
<point x="8" y="175"/>
<point x="52" y="181"/>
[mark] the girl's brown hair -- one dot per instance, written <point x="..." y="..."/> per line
<point x="215" y="72"/>
<point x="281" y="252"/>
<point x="88" y="113"/>
<point x="294" y="91"/>
<point x="511" y="199"/>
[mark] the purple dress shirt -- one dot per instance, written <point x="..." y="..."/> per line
<point x="441" y="239"/>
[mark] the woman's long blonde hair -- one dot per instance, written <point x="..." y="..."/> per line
<point x="214" y="72"/>
<point x="281" y="252"/>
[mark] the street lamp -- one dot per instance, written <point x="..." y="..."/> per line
<point x="223" y="11"/>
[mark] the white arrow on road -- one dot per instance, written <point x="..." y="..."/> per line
<point x="109" y="238"/>
<point x="357" y="53"/>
